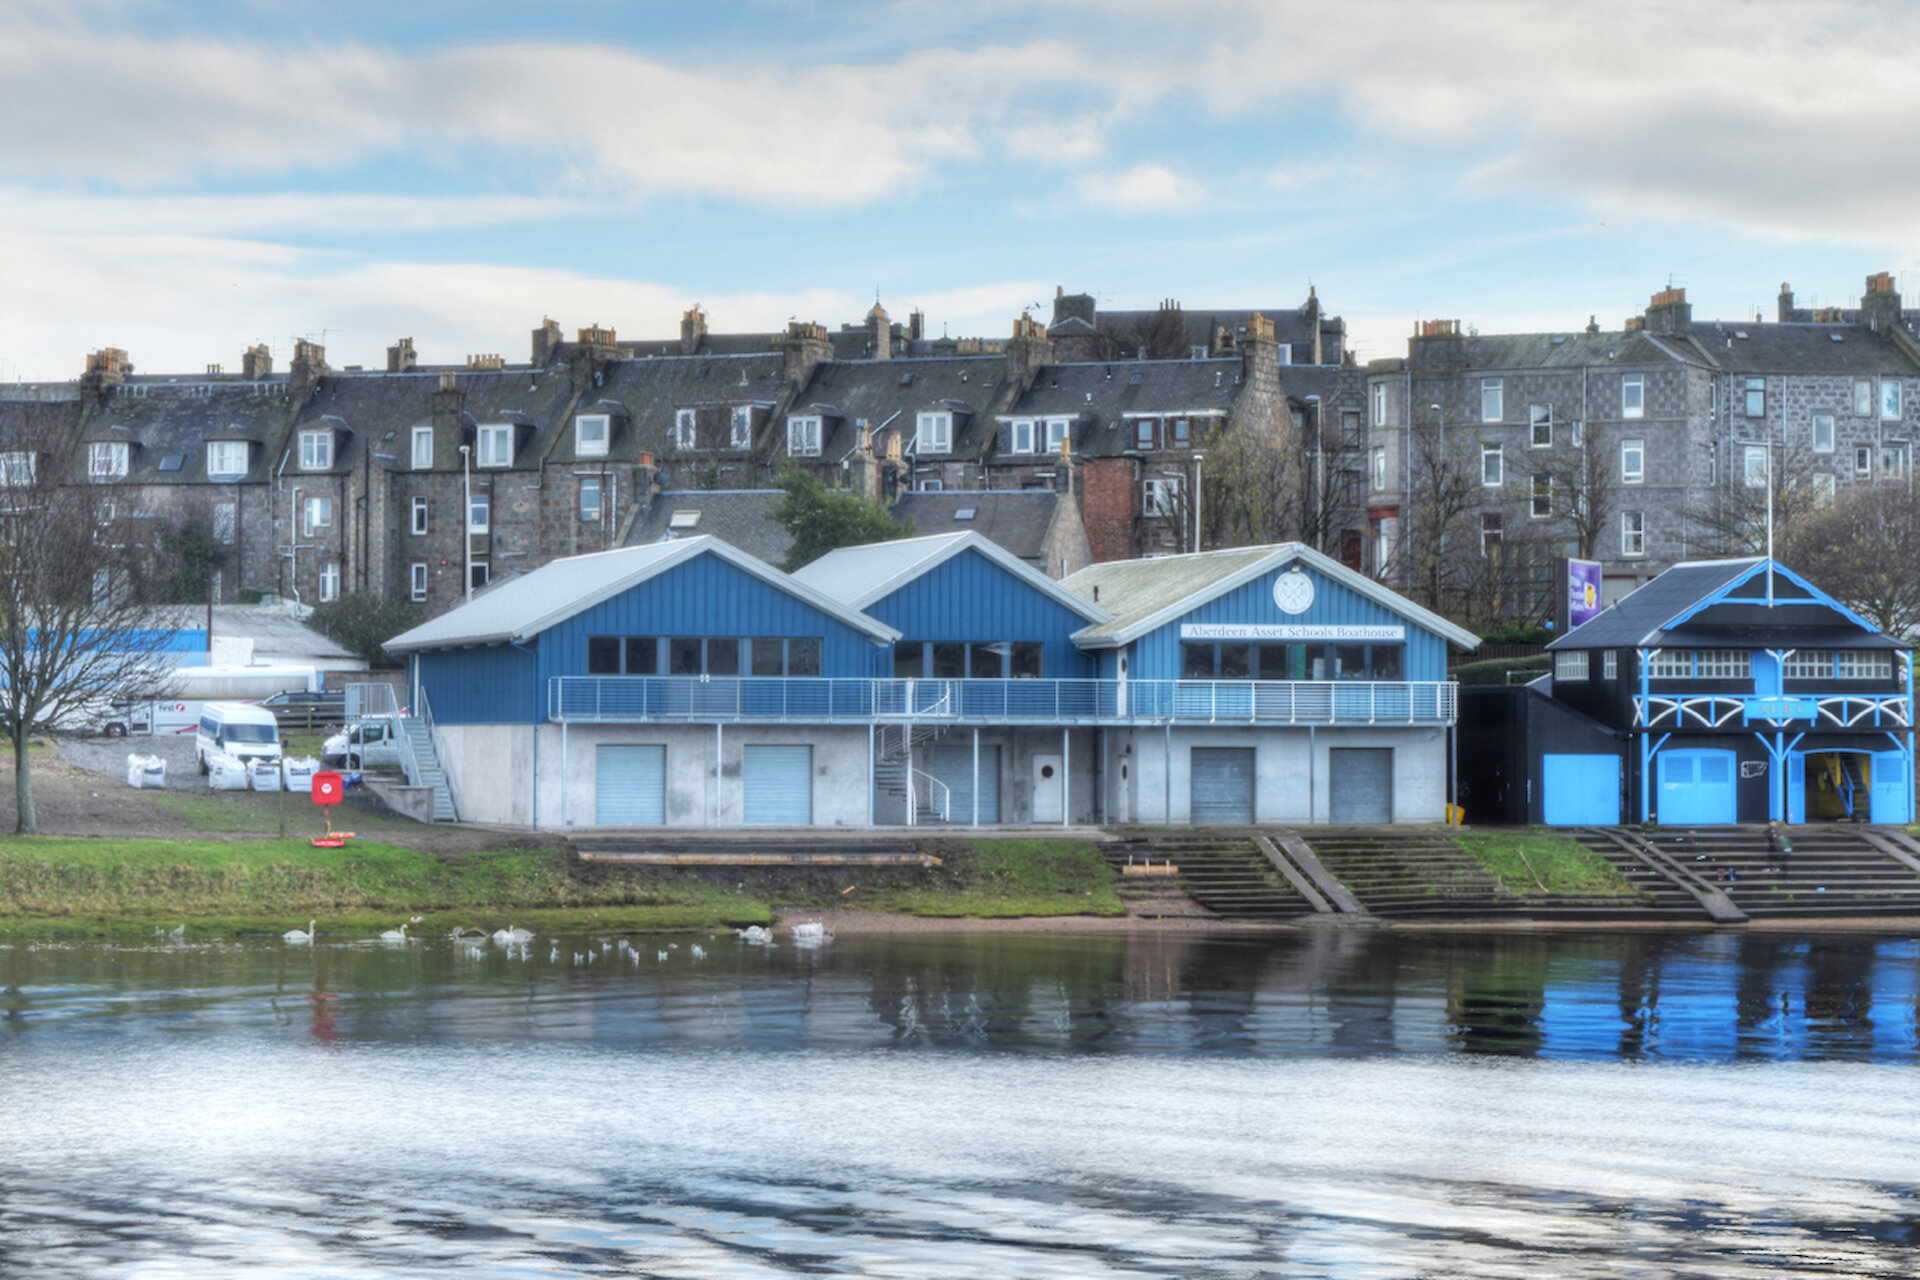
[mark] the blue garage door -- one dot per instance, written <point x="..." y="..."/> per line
<point x="1581" y="791"/>
<point x="1892" y="796"/>
<point x="777" y="786"/>
<point x="629" y="786"/>
<point x="1696" y="788"/>
<point x="953" y="768"/>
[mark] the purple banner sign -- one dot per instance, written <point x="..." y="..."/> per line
<point x="1583" y="591"/>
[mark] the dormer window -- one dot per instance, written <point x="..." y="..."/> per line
<point x="803" y="435"/>
<point x="591" y="432"/>
<point x="496" y="445"/>
<point x="107" y="460"/>
<point x="226" y="459"/>
<point x="683" y="429"/>
<point x="741" y="434"/>
<point x="1143" y="431"/>
<point x="1023" y="435"/>
<point x="1056" y="432"/>
<point x="17" y="470"/>
<point x="935" y="433"/>
<point x="423" y="448"/>
<point x="316" y="450"/>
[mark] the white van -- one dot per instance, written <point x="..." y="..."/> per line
<point x="238" y="729"/>
<point x="365" y="744"/>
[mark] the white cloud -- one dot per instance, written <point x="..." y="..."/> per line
<point x="1145" y="188"/>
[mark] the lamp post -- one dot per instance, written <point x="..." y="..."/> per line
<point x="1198" y="458"/>
<point x="466" y="516"/>
<point x="1314" y="478"/>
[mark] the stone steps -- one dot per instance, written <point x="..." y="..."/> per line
<point x="1227" y="876"/>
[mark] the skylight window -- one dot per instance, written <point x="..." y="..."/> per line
<point x="683" y="520"/>
<point x="965" y="513"/>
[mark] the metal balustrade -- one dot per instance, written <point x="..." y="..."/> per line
<point x="769" y="699"/>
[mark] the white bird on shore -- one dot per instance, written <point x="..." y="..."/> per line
<point x="294" y="935"/>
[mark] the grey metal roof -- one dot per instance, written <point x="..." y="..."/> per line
<point x="858" y="576"/>
<point x="1143" y="595"/>
<point x="1629" y="621"/>
<point x="1571" y="350"/>
<point x="518" y="610"/>
<point x="743" y="517"/>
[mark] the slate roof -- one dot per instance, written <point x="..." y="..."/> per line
<point x="1655" y="614"/>
<point x="645" y="396"/>
<point x="891" y="393"/>
<point x="1756" y="348"/>
<point x="1016" y="519"/>
<point x="742" y="517"/>
<point x="380" y="409"/>
<point x="44" y="425"/>
<point x="1100" y="396"/>
<point x="1143" y="595"/>
<point x="858" y="576"/>
<point x="1572" y="350"/>
<point x="517" y="610"/>
<point x="163" y="420"/>
<point x="1292" y="325"/>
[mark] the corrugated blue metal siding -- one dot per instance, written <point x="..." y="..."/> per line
<point x="494" y="685"/>
<point x="969" y="597"/>
<point x="709" y="597"/>
<point x="1157" y="654"/>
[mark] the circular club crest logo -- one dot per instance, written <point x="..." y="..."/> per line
<point x="1293" y="592"/>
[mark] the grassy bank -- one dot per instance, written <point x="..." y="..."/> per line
<point x="1535" y="862"/>
<point x="113" y="885"/>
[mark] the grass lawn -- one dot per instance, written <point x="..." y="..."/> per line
<point x="1539" y="861"/>
<point x="997" y="878"/>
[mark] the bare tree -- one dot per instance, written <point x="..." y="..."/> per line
<point x="1860" y="550"/>
<point x="1263" y="487"/>
<point x="71" y="637"/>
<point x="1434" y="557"/>
<point x="1733" y="519"/>
<point x="1152" y="335"/>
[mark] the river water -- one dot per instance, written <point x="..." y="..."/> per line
<point x="1329" y="1103"/>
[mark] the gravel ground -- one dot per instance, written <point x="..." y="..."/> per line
<point x="109" y="756"/>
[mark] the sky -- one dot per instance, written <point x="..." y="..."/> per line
<point x="184" y="180"/>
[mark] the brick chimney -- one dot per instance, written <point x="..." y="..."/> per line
<point x="448" y="401"/>
<point x="693" y="330"/>
<point x="916" y="325"/>
<point x="1027" y="350"/>
<point x="1438" y="344"/>
<point x="1669" y="312"/>
<point x="308" y="367"/>
<point x="596" y="347"/>
<point x="257" y="363"/>
<point x="803" y="348"/>
<point x="400" y="357"/>
<point x="1260" y="359"/>
<point x="107" y="368"/>
<point x="1880" y="305"/>
<point x="546" y="341"/>
<point x="1077" y="342"/>
<point x="1635" y="324"/>
<point x="486" y="363"/>
<point x="1785" y="311"/>
<point x="879" y="333"/>
<point x="1312" y="311"/>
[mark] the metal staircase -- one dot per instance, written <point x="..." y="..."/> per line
<point x="422" y="763"/>
<point x="918" y="793"/>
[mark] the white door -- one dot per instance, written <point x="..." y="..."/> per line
<point x="1049" y="782"/>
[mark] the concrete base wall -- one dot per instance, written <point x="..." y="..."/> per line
<point x="1147" y="784"/>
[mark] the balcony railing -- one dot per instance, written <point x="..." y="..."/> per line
<point x="1734" y="711"/>
<point x="767" y="699"/>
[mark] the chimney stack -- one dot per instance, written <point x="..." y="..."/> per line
<point x="107" y="368"/>
<point x="400" y="357"/>
<point x="546" y="341"/>
<point x="1668" y="312"/>
<point x="308" y="367"/>
<point x="1027" y="351"/>
<point x="693" y="330"/>
<point x="257" y="363"/>
<point x="803" y="348"/>
<point x="1880" y="306"/>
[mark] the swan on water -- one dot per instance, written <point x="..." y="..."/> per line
<point x="294" y="935"/>
<point x="394" y="935"/>
<point x="697" y="951"/>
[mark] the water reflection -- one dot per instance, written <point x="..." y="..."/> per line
<point x="1705" y="997"/>
<point x="1318" y="1104"/>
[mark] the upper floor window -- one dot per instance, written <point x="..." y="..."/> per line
<point x="1490" y="537"/>
<point x="1160" y="496"/>
<point x="1633" y="533"/>
<point x="1863" y="664"/>
<point x="1540" y="416"/>
<point x="803" y="435"/>
<point x="1862" y="398"/>
<point x="1671" y="664"/>
<point x="419" y="516"/>
<point x="589" y="497"/>
<point x="591" y="434"/>
<point x="1571" y="665"/>
<point x="417" y="580"/>
<point x="685" y="427"/>
<point x="1633" y="461"/>
<point x="935" y="433"/>
<point x="1056" y="433"/>
<point x="226" y="458"/>
<point x="1143" y="429"/>
<point x="1492" y="400"/>
<point x="496" y="445"/>
<point x="1756" y="397"/>
<point x="1863" y="460"/>
<point x="423" y="448"/>
<point x="107" y="460"/>
<point x="1179" y="433"/>
<point x="1022" y="432"/>
<point x="1756" y="466"/>
<point x="317" y="514"/>
<point x="316" y="450"/>
<point x="479" y="513"/>
<point x="740" y="435"/>
<point x="1633" y="395"/>
<point x="1379" y="467"/>
<point x="330" y="581"/>
<point x="1823" y="489"/>
<point x="1541" y="504"/>
<point x="1492" y="466"/>
<point x="1724" y="664"/>
<point x="1890" y="399"/>
<point x="1610" y="664"/>
<point x="1379" y="404"/>
<point x="1893" y="460"/>
<point x="1823" y="433"/>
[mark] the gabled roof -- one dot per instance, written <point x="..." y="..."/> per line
<point x="516" y="611"/>
<point x="1673" y="608"/>
<point x="1146" y="595"/>
<point x="890" y="394"/>
<point x="858" y="576"/>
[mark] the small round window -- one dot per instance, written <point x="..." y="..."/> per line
<point x="1046" y="771"/>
